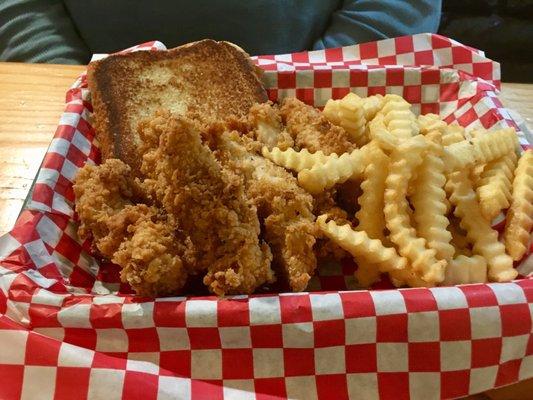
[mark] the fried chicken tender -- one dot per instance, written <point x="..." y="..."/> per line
<point x="208" y="203"/>
<point x="136" y="237"/>
<point x="148" y="251"/>
<point x="312" y="131"/>
<point x="101" y="191"/>
<point x="284" y="208"/>
<point x="263" y="125"/>
<point x="264" y="119"/>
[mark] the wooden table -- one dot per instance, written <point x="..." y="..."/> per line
<point x="32" y="98"/>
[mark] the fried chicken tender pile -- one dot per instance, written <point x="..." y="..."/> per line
<point x="135" y="236"/>
<point x="284" y="208"/>
<point x="207" y="203"/>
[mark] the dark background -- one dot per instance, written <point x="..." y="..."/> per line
<point x="502" y="28"/>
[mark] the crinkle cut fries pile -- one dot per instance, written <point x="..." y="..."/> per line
<point x="429" y="193"/>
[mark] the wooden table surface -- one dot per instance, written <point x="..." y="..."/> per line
<point x="32" y="98"/>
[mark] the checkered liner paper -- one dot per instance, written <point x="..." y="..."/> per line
<point x="69" y="329"/>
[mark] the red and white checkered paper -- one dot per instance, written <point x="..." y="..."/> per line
<point x="69" y="329"/>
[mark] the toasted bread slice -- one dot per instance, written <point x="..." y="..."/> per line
<point x="212" y="79"/>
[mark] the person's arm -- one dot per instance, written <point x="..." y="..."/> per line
<point x="39" y="31"/>
<point x="360" y="21"/>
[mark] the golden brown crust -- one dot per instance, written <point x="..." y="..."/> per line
<point x="137" y="237"/>
<point x="208" y="202"/>
<point x="311" y="130"/>
<point x="100" y="121"/>
<point x="284" y="208"/>
<point x="213" y="80"/>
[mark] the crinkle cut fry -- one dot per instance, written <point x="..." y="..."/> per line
<point x="372" y="105"/>
<point x="452" y="134"/>
<point x="379" y="133"/>
<point x="493" y="145"/>
<point x="429" y="204"/>
<point x="296" y="160"/>
<point x="434" y="140"/>
<point x="331" y="111"/>
<point x="430" y="122"/>
<point x="481" y="149"/>
<point x="348" y="113"/>
<point x="370" y="215"/>
<point x="520" y="215"/>
<point x="475" y="174"/>
<point x="404" y="160"/>
<point x="325" y="248"/>
<point x="463" y="269"/>
<point x="459" y="155"/>
<point x="398" y="117"/>
<point x="360" y="245"/>
<point x="351" y="113"/>
<point x="334" y="170"/>
<point x="494" y="185"/>
<point x="479" y="232"/>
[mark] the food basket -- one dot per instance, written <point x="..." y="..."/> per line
<point x="70" y="329"/>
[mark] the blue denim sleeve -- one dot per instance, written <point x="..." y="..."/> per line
<point x="359" y="21"/>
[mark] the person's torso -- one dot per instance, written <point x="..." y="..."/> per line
<point x="258" y="26"/>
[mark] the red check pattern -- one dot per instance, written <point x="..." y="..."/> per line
<point x="70" y="329"/>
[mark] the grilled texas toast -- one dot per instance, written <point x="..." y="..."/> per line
<point x="212" y="79"/>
